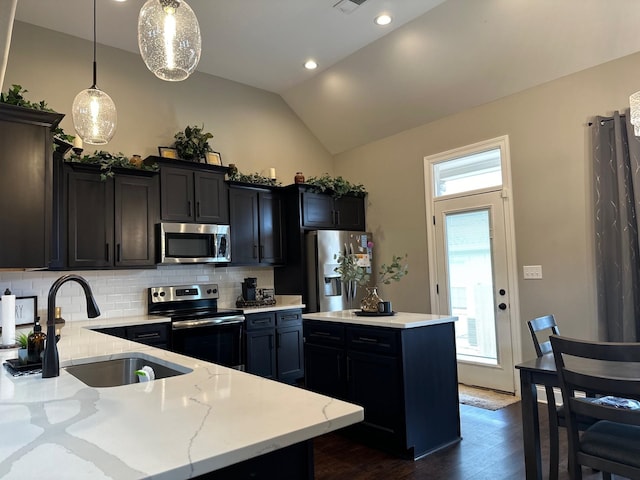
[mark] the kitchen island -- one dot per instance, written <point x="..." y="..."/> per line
<point x="401" y="368"/>
<point x="208" y="419"/>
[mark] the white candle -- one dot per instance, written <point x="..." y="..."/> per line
<point x="272" y="173"/>
<point x="77" y="142"/>
<point x="8" y="318"/>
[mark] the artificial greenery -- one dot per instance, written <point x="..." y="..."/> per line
<point x="236" y="176"/>
<point x="15" y="96"/>
<point x="393" y="272"/>
<point x="336" y="186"/>
<point x="22" y="339"/>
<point x="108" y="161"/>
<point x="193" y="143"/>
<point x="349" y="269"/>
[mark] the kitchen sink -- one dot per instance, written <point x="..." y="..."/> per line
<point x="121" y="371"/>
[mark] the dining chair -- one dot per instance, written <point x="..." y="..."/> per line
<point x="612" y="372"/>
<point x="556" y="414"/>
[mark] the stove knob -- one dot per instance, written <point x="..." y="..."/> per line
<point x="162" y="294"/>
<point x="209" y="291"/>
<point x="215" y="290"/>
<point x="155" y="294"/>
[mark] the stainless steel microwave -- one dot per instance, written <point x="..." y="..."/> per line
<point x="193" y="243"/>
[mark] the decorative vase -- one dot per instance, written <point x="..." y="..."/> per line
<point x="369" y="302"/>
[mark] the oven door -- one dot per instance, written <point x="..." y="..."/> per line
<point x="213" y="340"/>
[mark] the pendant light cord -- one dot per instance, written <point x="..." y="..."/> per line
<point x="95" y="68"/>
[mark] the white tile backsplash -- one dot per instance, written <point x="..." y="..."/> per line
<point x="123" y="293"/>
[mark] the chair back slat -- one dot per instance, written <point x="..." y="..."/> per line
<point x="607" y="369"/>
<point x="537" y="325"/>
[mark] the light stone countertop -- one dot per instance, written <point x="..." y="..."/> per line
<point x="399" y="320"/>
<point x="283" y="302"/>
<point x="171" y="428"/>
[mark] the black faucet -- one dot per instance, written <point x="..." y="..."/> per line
<point x="50" y="361"/>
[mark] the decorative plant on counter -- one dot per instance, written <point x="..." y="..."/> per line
<point x="108" y="161"/>
<point x="349" y="269"/>
<point x="15" y="96"/>
<point x="192" y="144"/>
<point x="394" y="271"/>
<point x="336" y="186"/>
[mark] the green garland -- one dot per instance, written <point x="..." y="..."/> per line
<point x="108" y="161"/>
<point x="255" y="178"/>
<point x="15" y="96"/>
<point x="336" y="186"/>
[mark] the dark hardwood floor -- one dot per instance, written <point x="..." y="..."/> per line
<point x="491" y="449"/>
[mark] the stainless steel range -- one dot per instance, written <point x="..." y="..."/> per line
<point x="199" y="328"/>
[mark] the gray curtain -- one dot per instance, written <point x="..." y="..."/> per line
<point x="616" y="170"/>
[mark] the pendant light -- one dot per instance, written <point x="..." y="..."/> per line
<point x="94" y="113"/>
<point x="169" y="38"/>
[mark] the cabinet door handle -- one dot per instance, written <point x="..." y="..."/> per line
<point x="348" y="368"/>
<point x="147" y="335"/>
<point x="261" y="251"/>
<point x="255" y="251"/>
<point x="118" y="253"/>
<point x="189" y="207"/>
<point x="333" y="217"/>
<point x="197" y="209"/>
<point x="106" y="252"/>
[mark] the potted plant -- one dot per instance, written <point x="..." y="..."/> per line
<point x="192" y="143"/>
<point x="107" y="161"/>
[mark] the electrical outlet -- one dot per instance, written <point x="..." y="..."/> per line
<point x="532" y="272"/>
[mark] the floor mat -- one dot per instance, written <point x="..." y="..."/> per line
<point x="485" y="398"/>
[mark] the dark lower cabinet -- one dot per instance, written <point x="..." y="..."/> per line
<point x="274" y="345"/>
<point x="109" y="222"/>
<point x="154" y="334"/>
<point x="406" y="380"/>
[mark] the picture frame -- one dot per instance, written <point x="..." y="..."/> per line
<point x="26" y="310"/>
<point x="214" y="158"/>
<point x="168" y="152"/>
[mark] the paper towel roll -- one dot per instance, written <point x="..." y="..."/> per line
<point x="8" y="318"/>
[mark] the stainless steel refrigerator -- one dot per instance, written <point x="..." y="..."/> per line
<point x="326" y="290"/>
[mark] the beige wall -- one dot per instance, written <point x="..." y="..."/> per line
<point x="252" y="128"/>
<point x="546" y="125"/>
<point x="549" y="139"/>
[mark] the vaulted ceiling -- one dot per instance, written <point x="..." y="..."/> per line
<point x="437" y="58"/>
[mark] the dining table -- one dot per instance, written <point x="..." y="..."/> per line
<point x="539" y="371"/>
<point x="542" y="371"/>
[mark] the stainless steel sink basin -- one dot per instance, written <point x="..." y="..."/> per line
<point x="121" y="371"/>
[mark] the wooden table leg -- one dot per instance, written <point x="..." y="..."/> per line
<point x="530" y="427"/>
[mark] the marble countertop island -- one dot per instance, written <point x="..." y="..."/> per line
<point x="399" y="320"/>
<point x="172" y="428"/>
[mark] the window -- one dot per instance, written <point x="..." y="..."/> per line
<point x="470" y="172"/>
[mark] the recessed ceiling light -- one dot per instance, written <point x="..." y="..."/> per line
<point x="310" y="65"/>
<point x="383" y="19"/>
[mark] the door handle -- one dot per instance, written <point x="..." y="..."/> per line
<point x="502" y="306"/>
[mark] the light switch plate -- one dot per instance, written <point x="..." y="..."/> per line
<point x="532" y="272"/>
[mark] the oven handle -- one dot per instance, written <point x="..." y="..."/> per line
<point x="228" y="320"/>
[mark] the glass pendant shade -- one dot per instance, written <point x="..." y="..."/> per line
<point x="94" y="116"/>
<point x="169" y="38"/>
<point x="634" y="103"/>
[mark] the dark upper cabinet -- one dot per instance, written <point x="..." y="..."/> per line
<point x="256" y="226"/>
<point x="188" y="195"/>
<point x="110" y="223"/>
<point x="320" y="210"/>
<point x="25" y="186"/>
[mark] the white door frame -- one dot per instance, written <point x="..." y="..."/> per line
<point x="503" y="144"/>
